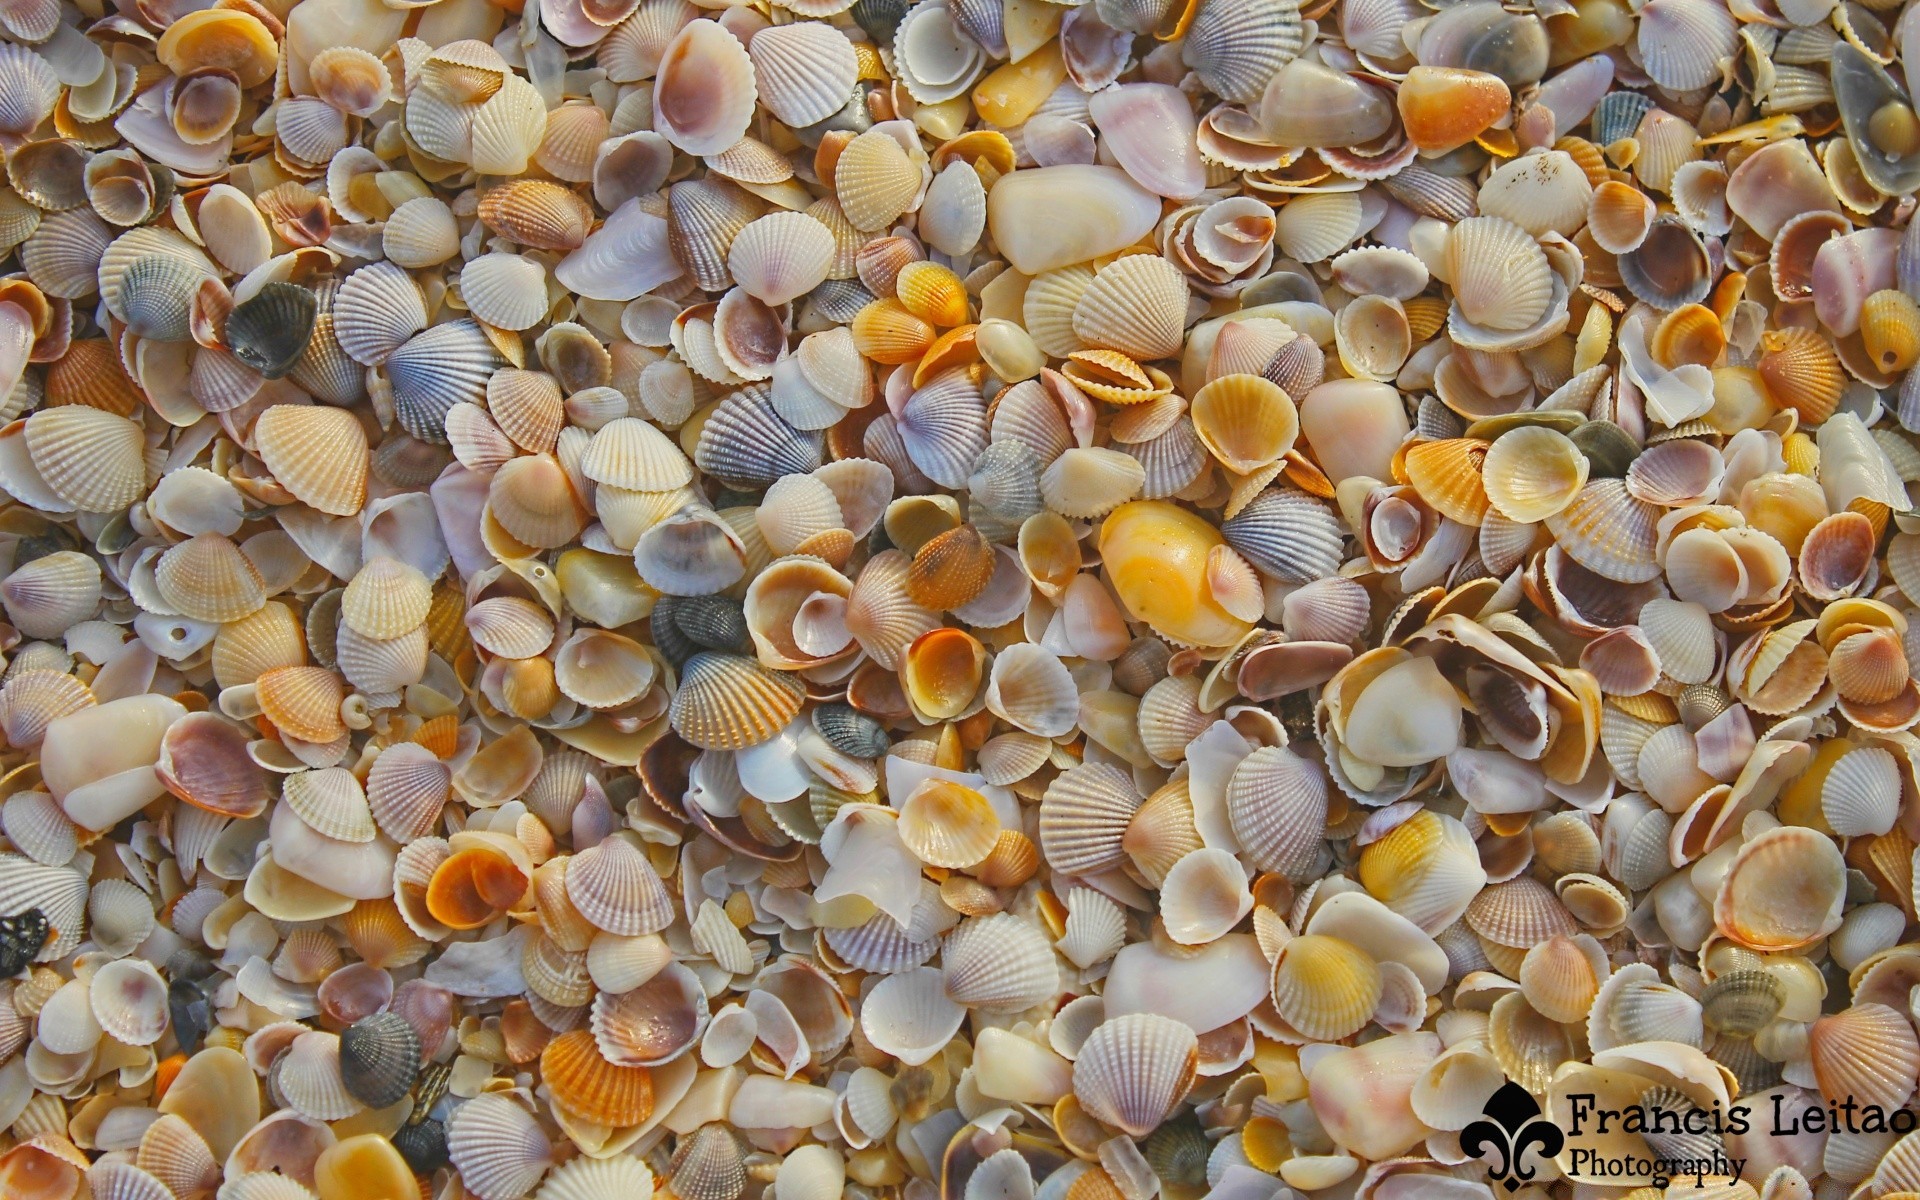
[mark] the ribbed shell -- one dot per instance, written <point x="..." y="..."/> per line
<point x="1001" y="963"/>
<point x="1288" y="534"/>
<point x="1277" y="803"/>
<point x="1133" y="1070"/>
<point x="1236" y="47"/>
<point x="616" y="889"/>
<point x="437" y="369"/>
<point x="1083" y="817"/>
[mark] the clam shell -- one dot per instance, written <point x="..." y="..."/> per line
<point x="704" y="89"/>
<point x="497" y="1147"/>
<point x="1133" y="1070"/>
<point x="318" y="454"/>
<point x="805" y="71"/>
<point x="586" y="1085"/>
<point x="91" y="460"/>
<point x="1203" y="896"/>
<point x="379" y="1059"/>
<point x="909" y="1015"/>
<point x="1277" y="803"/>
<point x="436" y="369"/>
<point x="1136" y="305"/>
<point x="1084" y="816"/>
<point x="1236" y="49"/>
<point x="1001" y="963"/>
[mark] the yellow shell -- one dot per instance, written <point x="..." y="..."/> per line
<point x="585" y="1084"/>
<point x="1802" y="372"/>
<point x="1246" y="421"/>
<point x="1155" y="554"/>
<point x="1325" y="988"/>
<point x="1447" y="474"/>
<point x="1890" y="329"/>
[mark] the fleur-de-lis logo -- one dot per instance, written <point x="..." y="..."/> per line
<point x="1514" y="1125"/>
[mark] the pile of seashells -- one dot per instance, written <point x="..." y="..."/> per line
<point x="956" y="600"/>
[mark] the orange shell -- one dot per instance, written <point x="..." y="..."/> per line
<point x="473" y="888"/>
<point x="585" y="1084"/>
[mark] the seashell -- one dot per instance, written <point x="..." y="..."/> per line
<point x="1669" y="268"/>
<point x="909" y="1016"/>
<point x="1306" y="104"/>
<point x="497" y="1147"/>
<point x="653" y="1023"/>
<point x="1000" y="963"/>
<point x="1133" y="1070"/>
<point x="506" y="291"/>
<point x="1111" y="213"/>
<point x="1501" y="278"/>
<point x="379" y="1059"/>
<point x="318" y="454"/>
<point x="1203" y="896"/>
<point x="406" y="787"/>
<point x="1277" y="804"/>
<point x="1136" y="305"/>
<point x="727" y="703"/>
<point x="48" y="595"/>
<point x="436" y="369"/>
<point x="935" y="58"/>
<point x="331" y="802"/>
<point x="874" y="180"/>
<point x="1866" y="1052"/>
<point x="586" y="1085"/>
<point x="1237" y="49"/>
<point x="1084" y="816"/>
<point x="1801" y="372"/>
<point x="90" y="459"/>
<point x="1032" y="690"/>
<point x="746" y="440"/>
<point x="420" y="233"/>
<point x="1287" y="534"/>
<point x="1532" y="473"/>
<point x="805" y="71"/>
<point x="781" y="256"/>
<point x="269" y="330"/>
<point x="1608" y="531"/>
<point x="1747" y="912"/>
<point x="537" y="214"/>
<point x="376" y="310"/>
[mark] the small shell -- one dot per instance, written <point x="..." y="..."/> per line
<point x="1532" y="473"/>
<point x="1203" y="896"/>
<point x="379" y="1059"/>
<point x="805" y="71"/>
<point x="591" y="1088"/>
<point x="507" y="291"/>
<point x="1136" y="305"/>
<point x="1132" y="1071"/>
<point x="318" y="454"/>
<point x="1324" y="987"/>
<point x="1246" y="421"/>
<point x="874" y="180"/>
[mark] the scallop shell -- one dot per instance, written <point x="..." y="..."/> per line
<point x="436" y="369"/>
<point x="1236" y="49"/>
<point x="1501" y="277"/>
<point x="1133" y="1070"/>
<point x="506" y="291"/>
<point x="1136" y="305"/>
<point x="92" y="460"/>
<point x="1084" y="816"/>
<point x="497" y="1147"/>
<point x="875" y="181"/>
<point x="318" y="454"/>
<point x="1203" y="896"/>
<point x="805" y="71"/>
<point x="1277" y="804"/>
